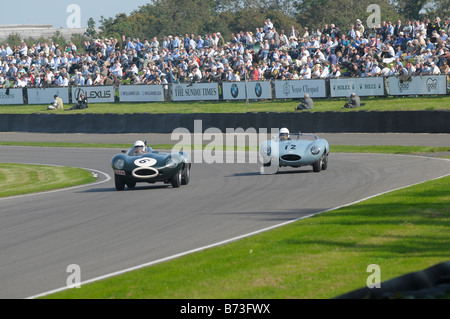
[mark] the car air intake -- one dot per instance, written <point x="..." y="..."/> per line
<point x="144" y="172"/>
<point x="291" y="157"/>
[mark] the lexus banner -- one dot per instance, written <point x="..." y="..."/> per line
<point x="94" y="94"/>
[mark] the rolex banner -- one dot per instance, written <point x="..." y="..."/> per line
<point x="370" y="86"/>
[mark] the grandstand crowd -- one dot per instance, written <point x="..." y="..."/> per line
<point x="391" y="49"/>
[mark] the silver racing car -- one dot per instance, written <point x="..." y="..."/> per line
<point x="294" y="150"/>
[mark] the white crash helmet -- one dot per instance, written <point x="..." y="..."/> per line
<point x="139" y="144"/>
<point x="284" y="133"/>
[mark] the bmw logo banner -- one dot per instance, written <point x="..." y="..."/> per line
<point x="247" y="90"/>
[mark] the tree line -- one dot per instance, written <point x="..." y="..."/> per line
<point x="169" y="17"/>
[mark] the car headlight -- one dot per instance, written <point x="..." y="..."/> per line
<point x="315" y="150"/>
<point x="119" y="163"/>
<point x="267" y="150"/>
<point x="170" y="162"/>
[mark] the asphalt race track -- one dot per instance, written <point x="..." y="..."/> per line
<point x="105" y="231"/>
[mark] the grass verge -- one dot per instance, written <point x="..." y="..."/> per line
<point x="422" y="103"/>
<point x="319" y="257"/>
<point x="19" y="179"/>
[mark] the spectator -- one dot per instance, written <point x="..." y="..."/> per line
<point x="82" y="103"/>
<point x="434" y="70"/>
<point x="80" y="80"/>
<point x="57" y="104"/>
<point x="326" y="51"/>
<point x="306" y="104"/>
<point x="353" y="102"/>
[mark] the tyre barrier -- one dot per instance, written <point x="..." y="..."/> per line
<point x="433" y="282"/>
<point x="317" y="122"/>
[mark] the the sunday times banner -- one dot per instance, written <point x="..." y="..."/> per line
<point x="94" y="94"/>
<point x="195" y="92"/>
<point x="141" y="93"/>
<point x="255" y="90"/>
<point x="47" y="95"/>
<point x="371" y="86"/>
<point x="294" y="89"/>
<point x="11" y="96"/>
<point x="417" y="85"/>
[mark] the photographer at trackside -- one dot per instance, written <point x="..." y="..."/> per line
<point x="82" y="103"/>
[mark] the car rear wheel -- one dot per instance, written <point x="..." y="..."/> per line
<point x="186" y="177"/>
<point x="176" y="180"/>
<point x="119" y="182"/>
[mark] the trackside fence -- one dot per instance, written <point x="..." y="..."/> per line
<point x="226" y="91"/>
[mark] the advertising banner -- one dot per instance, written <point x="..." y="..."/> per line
<point x="47" y="95"/>
<point x="295" y="89"/>
<point x="141" y="93"/>
<point x="417" y="85"/>
<point x="255" y="90"/>
<point x="11" y="96"/>
<point x="94" y="94"/>
<point x="195" y="92"/>
<point x="370" y="86"/>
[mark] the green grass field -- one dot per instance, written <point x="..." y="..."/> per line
<point x="19" y="179"/>
<point x="320" y="105"/>
<point x="320" y="257"/>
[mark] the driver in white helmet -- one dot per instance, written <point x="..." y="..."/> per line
<point x="284" y="134"/>
<point x="139" y="148"/>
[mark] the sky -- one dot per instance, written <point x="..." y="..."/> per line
<point x="67" y="13"/>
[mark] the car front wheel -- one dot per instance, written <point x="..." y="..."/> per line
<point x="317" y="166"/>
<point x="186" y="175"/>
<point x="119" y="182"/>
<point x="176" y="180"/>
<point x="131" y="185"/>
<point x="325" y="162"/>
